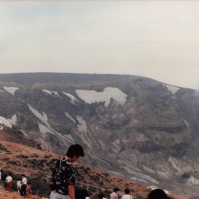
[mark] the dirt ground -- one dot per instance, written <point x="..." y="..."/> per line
<point x="17" y="150"/>
<point x="13" y="195"/>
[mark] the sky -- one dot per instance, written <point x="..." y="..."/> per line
<point x="155" y="39"/>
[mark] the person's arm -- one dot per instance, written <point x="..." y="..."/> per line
<point x="71" y="191"/>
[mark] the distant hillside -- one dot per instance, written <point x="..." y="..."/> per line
<point x="130" y="126"/>
<point x="64" y="78"/>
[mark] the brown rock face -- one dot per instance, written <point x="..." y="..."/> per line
<point x="151" y="138"/>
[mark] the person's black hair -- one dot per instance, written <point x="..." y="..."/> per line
<point x="75" y="149"/>
<point x="127" y="191"/>
<point x="157" y="194"/>
<point x="115" y="189"/>
<point x="23" y="175"/>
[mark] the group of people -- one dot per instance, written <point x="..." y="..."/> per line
<point x="23" y="187"/>
<point x="63" y="179"/>
<point x="154" y="194"/>
<point x="114" y="194"/>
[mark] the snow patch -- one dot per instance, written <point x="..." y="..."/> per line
<point x="10" y="90"/>
<point x="43" y="117"/>
<point x="92" y="96"/>
<point x="44" y="129"/>
<point x="56" y="93"/>
<point x="47" y="91"/>
<point x="5" y="122"/>
<point x="193" y="180"/>
<point x="69" y="137"/>
<point x="50" y="92"/>
<point x="186" y="123"/>
<point x="13" y="120"/>
<point x="24" y="133"/>
<point x="172" y="89"/>
<point x="73" y="99"/>
<point x="70" y="117"/>
<point x="82" y="127"/>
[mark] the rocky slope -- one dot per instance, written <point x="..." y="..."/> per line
<point x="36" y="164"/>
<point x="130" y="126"/>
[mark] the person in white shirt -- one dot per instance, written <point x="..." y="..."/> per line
<point x="8" y="182"/>
<point x="18" y="186"/>
<point x="114" y="194"/>
<point x="127" y="194"/>
<point x="23" y="186"/>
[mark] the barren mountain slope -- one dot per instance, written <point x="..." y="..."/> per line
<point x="35" y="163"/>
<point x="133" y="127"/>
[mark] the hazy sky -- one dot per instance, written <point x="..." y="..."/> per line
<point x="156" y="39"/>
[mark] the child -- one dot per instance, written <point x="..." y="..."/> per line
<point x="18" y="186"/>
<point x="28" y="189"/>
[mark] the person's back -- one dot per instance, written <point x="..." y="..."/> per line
<point x="127" y="194"/>
<point x="114" y="194"/>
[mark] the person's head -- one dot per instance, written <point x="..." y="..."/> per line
<point x="74" y="152"/>
<point x="126" y="191"/>
<point x="157" y="194"/>
<point x="115" y="189"/>
<point x="23" y="176"/>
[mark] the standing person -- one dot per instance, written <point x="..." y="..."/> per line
<point x="63" y="174"/>
<point x="23" y="186"/>
<point x="18" y="186"/>
<point x="8" y="182"/>
<point x="127" y="194"/>
<point x="114" y="194"/>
